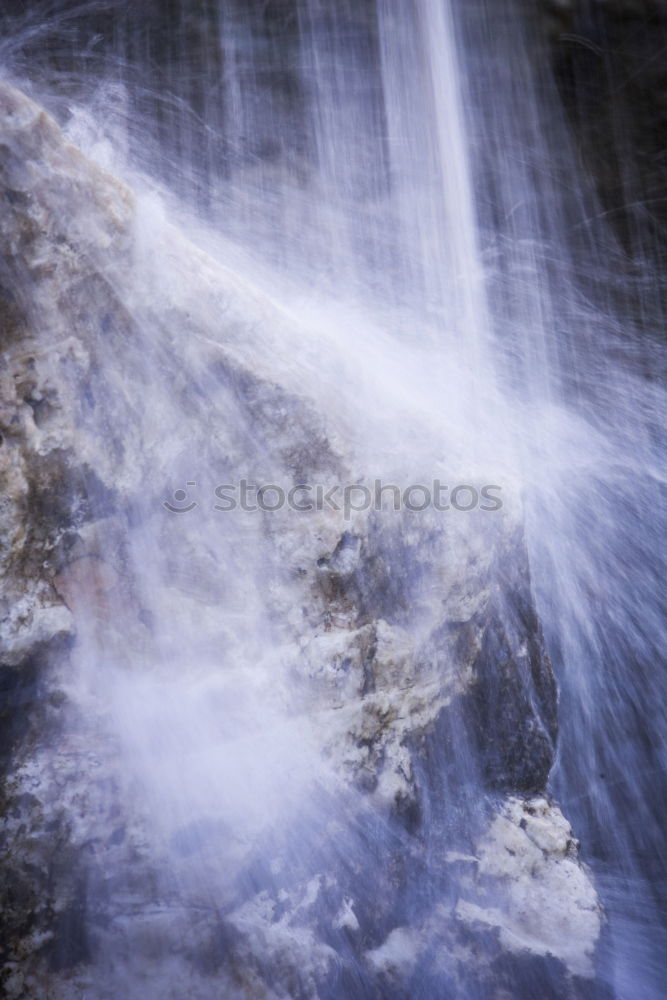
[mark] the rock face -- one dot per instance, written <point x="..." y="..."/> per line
<point x="606" y="55"/>
<point x="529" y="851"/>
<point x="289" y="754"/>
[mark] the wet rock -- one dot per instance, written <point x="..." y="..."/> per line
<point x="526" y="867"/>
<point x="416" y="665"/>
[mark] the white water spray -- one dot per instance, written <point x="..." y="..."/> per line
<point x="397" y="295"/>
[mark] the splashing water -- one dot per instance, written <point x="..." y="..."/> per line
<point x="378" y="208"/>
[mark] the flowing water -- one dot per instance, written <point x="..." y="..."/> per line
<point x="400" y="182"/>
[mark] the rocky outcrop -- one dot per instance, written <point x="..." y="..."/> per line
<point x="297" y="753"/>
<point x="527" y="860"/>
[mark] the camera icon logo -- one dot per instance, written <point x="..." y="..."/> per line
<point x="180" y="496"/>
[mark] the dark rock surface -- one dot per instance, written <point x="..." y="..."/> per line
<point x="609" y="63"/>
<point x="607" y="57"/>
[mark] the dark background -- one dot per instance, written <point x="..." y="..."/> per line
<point x="609" y="57"/>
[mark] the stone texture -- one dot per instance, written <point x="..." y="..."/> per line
<point x="529" y="851"/>
<point x="398" y="668"/>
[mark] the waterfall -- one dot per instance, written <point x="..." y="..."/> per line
<point x="333" y="419"/>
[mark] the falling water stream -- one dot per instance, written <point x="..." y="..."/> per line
<point x="397" y="180"/>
